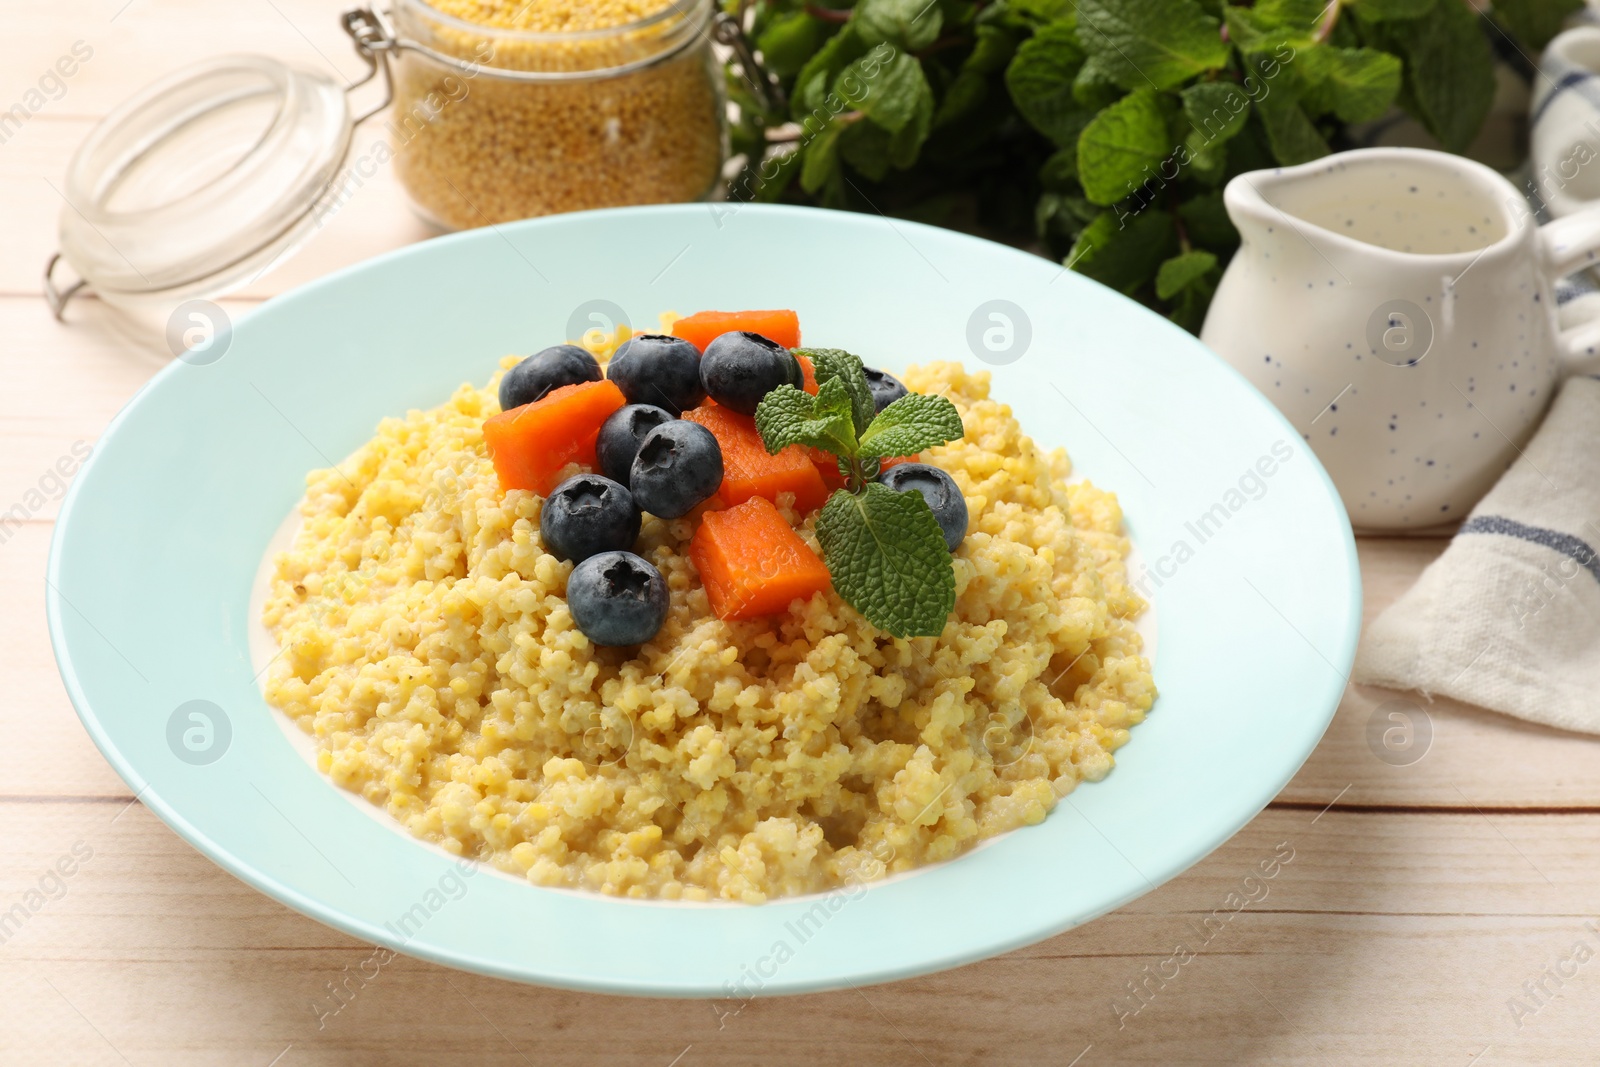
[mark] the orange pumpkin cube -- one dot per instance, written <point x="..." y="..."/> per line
<point x="752" y="563"/>
<point x="810" y="371"/>
<point x="749" y="470"/>
<point x="531" y="444"/>
<point x="701" y="328"/>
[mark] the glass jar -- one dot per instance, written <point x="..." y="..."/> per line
<point x="493" y="124"/>
<point x="213" y="175"/>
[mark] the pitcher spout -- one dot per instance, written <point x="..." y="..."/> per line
<point x="1256" y="218"/>
<point x="1406" y="209"/>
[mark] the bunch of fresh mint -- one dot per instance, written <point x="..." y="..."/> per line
<point x="1101" y="130"/>
<point x="884" y="549"/>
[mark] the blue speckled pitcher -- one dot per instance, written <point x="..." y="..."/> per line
<point x="1397" y="305"/>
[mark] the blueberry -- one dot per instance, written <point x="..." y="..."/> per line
<point x="740" y="368"/>
<point x="939" y="490"/>
<point x="587" y="514"/>
<point x="886" y="388"/>
<point x="617" y="598"/>
<point x="620" y="435"/>
<point x="679" y="464"/>
<point x="652" y="368"/>
<point x="535" y="376"/>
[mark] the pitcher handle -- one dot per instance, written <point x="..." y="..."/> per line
<point x="1572" y="244"/>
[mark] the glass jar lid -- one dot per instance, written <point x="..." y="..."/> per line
<point x="209" y="177"/>
<point x="202" y="180"/>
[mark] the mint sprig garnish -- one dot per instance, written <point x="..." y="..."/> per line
<point x="885" y="550"/>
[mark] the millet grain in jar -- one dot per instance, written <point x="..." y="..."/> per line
<point x="497" y="149"/>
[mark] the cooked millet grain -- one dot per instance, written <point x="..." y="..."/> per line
<point x="430" y="653"/>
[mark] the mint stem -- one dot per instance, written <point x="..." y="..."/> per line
<point x="861" y="472"/>
<point x="827" y="14"/>
<point x="1330" y="19"/>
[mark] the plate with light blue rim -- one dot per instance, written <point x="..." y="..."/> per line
<point x="1244" y="550"/>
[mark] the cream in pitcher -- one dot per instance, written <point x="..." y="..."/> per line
<point x="1397" y="306"/>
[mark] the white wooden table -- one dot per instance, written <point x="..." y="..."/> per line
<point x="1429" y="914"/>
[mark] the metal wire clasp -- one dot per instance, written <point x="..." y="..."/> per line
<point x="729" y="30"/>
<point x="57" y="298"/>
<point x="373" y="42"/>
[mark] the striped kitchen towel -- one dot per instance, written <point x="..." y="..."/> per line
<point x="1564" y="124"/>
<point x="1508" y="617"/>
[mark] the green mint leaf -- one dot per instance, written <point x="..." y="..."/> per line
<point x="1063" y="216"/>
<point x="1126" y="254"/>
<point x="887" y="86"/>
<point x="1249" y="150"/>
<point x="1449" y="72"/>
<point x="907" y="24"/>
<point x="992" y="49"/>
<point x="1040" y="79"/>
<point x="1382" y="10"/>
<point x="754" y="186"/>
<point x="872" y="150"/>
<point x="964" y="95"/>
<point x="1122" y="147"/>
<point x="907" y="141"/>
<point x="878" y="148"/>
<point x="1356" y="84"/>
<point x="1273" y="24"/>
<point x="1208" y="165"/>
<point x="1216" y="111"/>
<point x="810" y="87"/>
<point x="1190" y="309"/>
<point x="788" y="416"/>
<point x="910" y="424"/>
<point x="1534" y="22"/>
<point x="1145" y="43"/>
<point x="1182" y="271"/>
<point x="788" y="41"/>
<point x="1293" y="137"/>
<point x="1207" y="221"/>
<point x="809" y="102"/>
<point x="1094" y="88"/>
<point x="821" y="157"/>
<point x="1246" y="30"/>
<point x="1069" y="131"/>
<point x="835" y="363"/>
<point x="865" y="146"/>
<point x="1042" y="10"/>
<point x="888" y="559"/>
<point x="1307" y="15"/>
<point x="1059" y="174"/>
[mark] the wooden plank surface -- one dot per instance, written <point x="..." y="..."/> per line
<point x="1385" y="938"/>
<point x="1431" y="913"/>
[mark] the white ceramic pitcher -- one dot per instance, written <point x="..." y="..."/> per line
<point x="1397" y="305"/>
